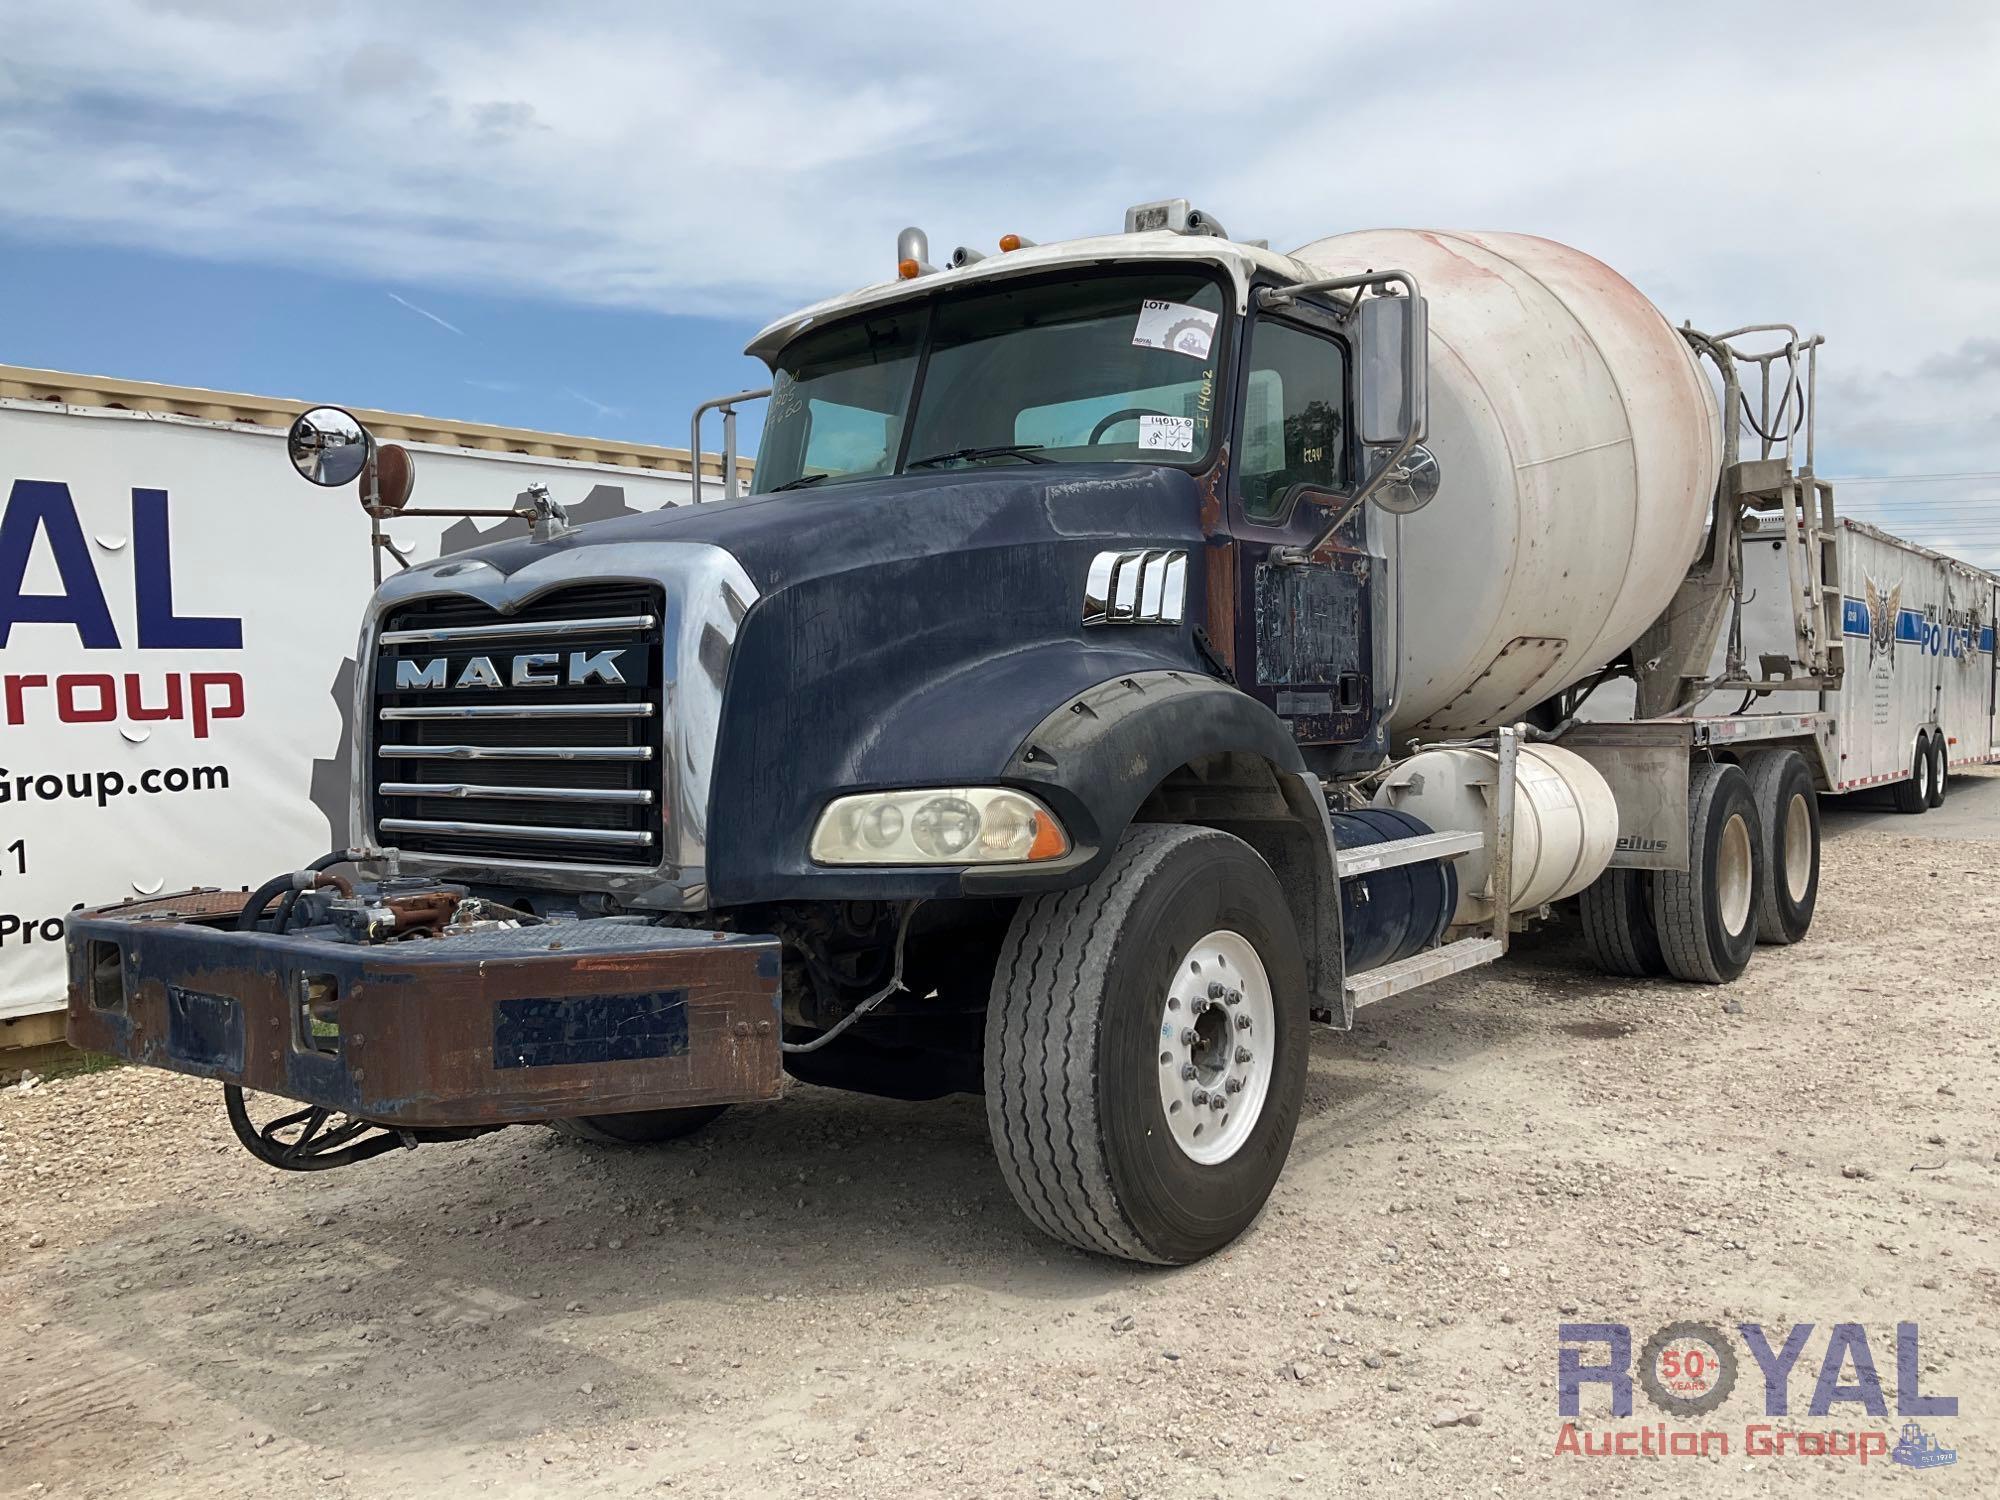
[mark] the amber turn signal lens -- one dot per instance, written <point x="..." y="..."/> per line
<point x="907" y="269"/>
<point x="1010" y="242"/>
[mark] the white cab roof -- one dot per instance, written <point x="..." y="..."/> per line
<point x="1240" y="262"/>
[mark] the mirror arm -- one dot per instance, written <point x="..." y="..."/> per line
<point x="727" y="406"/>
<point x="1275" y="297"/>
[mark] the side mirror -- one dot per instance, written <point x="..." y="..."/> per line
<point x="329" y="447"/>
<point x="1392" y="366"/>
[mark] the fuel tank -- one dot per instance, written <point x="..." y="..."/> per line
<point x="1578" y="443"/>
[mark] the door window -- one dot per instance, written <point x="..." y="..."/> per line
<point x="1294" y="418"/>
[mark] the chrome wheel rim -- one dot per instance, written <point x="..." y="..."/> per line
<point x="1798" y="847"/>
<point x="1217" y="1041"/>
<point x="1733" y="867"/>
<point x="1922" y="773"/>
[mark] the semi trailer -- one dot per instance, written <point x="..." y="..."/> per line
<point x="1133" y="652"/>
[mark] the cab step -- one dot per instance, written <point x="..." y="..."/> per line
<point x="1365" y="859"/>
<point x="1421" y="968"/>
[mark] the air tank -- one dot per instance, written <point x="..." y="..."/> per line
<point x="1578" y="443"/>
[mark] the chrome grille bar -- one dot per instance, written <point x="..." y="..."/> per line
<point x="513" y="629"/>
<point x="626" y="837"/>
<point x="515" y="752"/>
<point x="624" y="796"/>
<point x="525" y="711"/>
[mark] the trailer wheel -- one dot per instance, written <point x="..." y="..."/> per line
<point x="1146" y="1048"/>
<point x="1788" y="816"/>
<point x="1940" y="769"/>
<point x="1913" y="795"/>
<point x="1707" y="916"/>
<point x="644" y="1127"/>
<point x="1617" y="911"/>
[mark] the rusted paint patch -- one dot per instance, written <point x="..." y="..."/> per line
<point x="410" y="1033"/>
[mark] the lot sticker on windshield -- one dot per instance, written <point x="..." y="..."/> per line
<point x="1176" y="326"/>
<point x="1173" y="434"/>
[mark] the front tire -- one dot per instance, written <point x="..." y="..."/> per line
<point x="1707" y="915"/>
<point x="1940" y="769"/>
<point x="1098" y="994"/>
<point x="644" y="1127"/>
<point x="1788" y="818"/>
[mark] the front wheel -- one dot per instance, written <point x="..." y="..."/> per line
<point x="1146" y="1048"/>
<point x="1940" y="769"/>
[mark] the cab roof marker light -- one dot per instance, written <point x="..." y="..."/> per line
<point x="913" y="254"/>
<point x="1015" y="242"/>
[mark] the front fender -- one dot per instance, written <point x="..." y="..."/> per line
<point x="1095" y="760"/>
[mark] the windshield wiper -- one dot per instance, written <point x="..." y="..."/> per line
<point x="1001" y="450"/>
<point x="795" y="484"/>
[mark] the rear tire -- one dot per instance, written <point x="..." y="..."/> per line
<point x="1788" y="817"/>
<point x="1913" y="795"/>
<point x="1617" y="911"/>
<point x="1707" y="916"/>
<point x="1082" y="1054"/>
<point x="645" y="1127"/>
<point x="1940" y="770"/>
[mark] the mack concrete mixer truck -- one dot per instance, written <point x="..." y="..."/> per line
<point x="1133" y="651"/>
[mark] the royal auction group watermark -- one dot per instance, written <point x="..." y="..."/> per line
<point x="1689" y="1370"/>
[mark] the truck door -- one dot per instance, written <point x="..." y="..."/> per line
<point x="1305" y="634"/>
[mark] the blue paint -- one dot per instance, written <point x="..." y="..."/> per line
<point x="535" y="1033"/>
<point x="205" y="1032"/>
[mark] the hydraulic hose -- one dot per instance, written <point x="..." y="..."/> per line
<point x="253" y="909"/>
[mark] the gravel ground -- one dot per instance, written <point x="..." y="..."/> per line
<point x="835" y="1295"/>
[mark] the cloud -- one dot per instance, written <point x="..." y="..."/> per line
<point x="1740" y="163"/>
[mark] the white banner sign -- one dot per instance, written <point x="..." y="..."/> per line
<point x="178" y="617"/>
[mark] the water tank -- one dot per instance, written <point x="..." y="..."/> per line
<point x="1579" y="444"/>
<point x="1565" y="819"/>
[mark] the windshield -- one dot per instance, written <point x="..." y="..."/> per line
<point x="1098" y="368"/>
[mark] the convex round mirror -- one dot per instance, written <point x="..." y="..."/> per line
<point x="329" y="446"/>
<point x="1411" y="485"/>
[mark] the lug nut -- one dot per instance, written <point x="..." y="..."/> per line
<point x="1198" y="1006"/>
<point x="1234" y="1085"/>
<point x="1188" y="1038"/>
<point x="1236" y="997"/>
<point x="1215" y="990"/>
<point x="1188" y="1073"/>
<point x="1217" y="1102"/>
<point x="1243" y="1054"/>
<point x="1242" y="1022"/>
<point x="1200" y="1097"/>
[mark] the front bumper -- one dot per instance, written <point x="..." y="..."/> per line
<point x="493" y="1028"/>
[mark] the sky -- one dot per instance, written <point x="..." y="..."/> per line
<point x="573" y="218"/>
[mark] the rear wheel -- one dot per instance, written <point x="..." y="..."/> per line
<point x="1940" y="769"/>
<point x="1707" y="915"/>
<point x="645" y="1127"/>
<point x="1914" y="794"/>
<point x="1146" y="1048"/>
<point x="1617" y="911"/>
<point x="1788" y="818"/>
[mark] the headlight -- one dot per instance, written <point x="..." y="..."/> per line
<point x="938" y="826"/>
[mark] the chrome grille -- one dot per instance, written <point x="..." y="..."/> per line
<point x="555" y="773"/>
